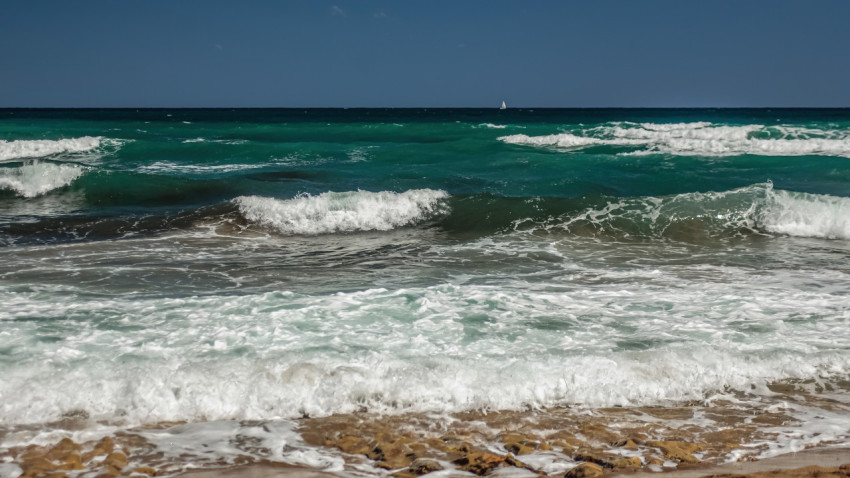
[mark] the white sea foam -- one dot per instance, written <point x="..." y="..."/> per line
<point x="493" y="126"/>
<point x="806" y="215"/>
<point x="440" y="348"/>
<point x="351" y="211"/>
<point x="562" y="140"/>
<point x="218" y="141"/>
<point x="170" y="167"/>
<point x="38" y="177"/>
<point x="699" y="138"/>
<point x="22" y="149"/>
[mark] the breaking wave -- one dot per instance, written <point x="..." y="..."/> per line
<point x="410" y="350"/>
<point x="698" y="138"/>
<point x="39" y="148"/>
<point x="37" y="178"/>
<point x="333" y="212"/>
<point x="753" y="209"/>
<point x="806" y="215"/>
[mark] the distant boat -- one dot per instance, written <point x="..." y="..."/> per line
<point x="504" y="106"/>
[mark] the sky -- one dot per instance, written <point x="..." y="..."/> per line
<point x="416" y="53"/>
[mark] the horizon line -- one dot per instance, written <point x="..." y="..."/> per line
<point x="413" y="107"/>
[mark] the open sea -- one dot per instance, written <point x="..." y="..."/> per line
<point x="190" y="277"/>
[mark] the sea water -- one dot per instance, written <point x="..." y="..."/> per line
<point x="217" y="267"/>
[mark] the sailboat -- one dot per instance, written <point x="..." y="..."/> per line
<point x="503" y="107"/>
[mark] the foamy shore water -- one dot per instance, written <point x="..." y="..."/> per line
<point x="540" y="442"/>
<point x="806" y="464"/>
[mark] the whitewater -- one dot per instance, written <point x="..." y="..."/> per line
<point x="209" y="287"/>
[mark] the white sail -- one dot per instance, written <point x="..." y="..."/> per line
<point x="503" y="106"/>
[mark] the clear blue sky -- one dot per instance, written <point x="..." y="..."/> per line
<point x="188" y="53"/>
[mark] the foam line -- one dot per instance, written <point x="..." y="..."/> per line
<point x="22" y="149"/>
<point x="699" y="138"/>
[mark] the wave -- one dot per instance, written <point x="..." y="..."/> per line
<point x="757" y="209"/>
<point x="39" y="148"/>
<point x="806" y="215"/>
<point x="170" y="167"/>
<point x="563" y="140"/>
<point x="699" y="139"/>
<point x="753" y="209"/>
<point x="333" y="212"/>
<point x="420" y="349"/>
<point x="38" y="178"/>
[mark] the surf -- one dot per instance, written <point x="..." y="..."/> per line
<point x="335" y="212"/>
<point x="37" y="178"/>
<point x="698" y="138"/>
<point x="25" y="149"/>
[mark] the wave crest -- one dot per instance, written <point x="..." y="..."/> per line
<point x="755" y="209"/>
<point x="333" y="212"/>
<point x="39" y="148"/>
<point x="806" y="215"/>
<point x="37" y="178"/>
<point x="700" y="139"/>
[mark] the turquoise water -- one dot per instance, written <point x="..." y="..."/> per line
<point x="253" y="264"/>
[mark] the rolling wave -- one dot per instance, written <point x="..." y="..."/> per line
<point x="38" y="178"/>
<point x="698" y="139"/>
<point x="39" y="148"/>
<point x="756" y="209"/>
<point x="351" y="211"/>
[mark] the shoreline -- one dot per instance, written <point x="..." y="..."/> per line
<point x="727" y="436"/>
<point x="785" y="465"/>
<point x="806" y="463"/>
<point x="673" y="441"/>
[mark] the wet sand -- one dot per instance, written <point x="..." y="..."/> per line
<point x="806" y="464"/>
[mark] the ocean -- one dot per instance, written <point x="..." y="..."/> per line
<point x="216" y="286"/>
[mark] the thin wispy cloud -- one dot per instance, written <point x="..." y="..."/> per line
<point x="337" y="11"/>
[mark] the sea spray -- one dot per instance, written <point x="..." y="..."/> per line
<point x="342" y="212"/>
<point x="806" y="215"/>
<point x="37" y="178"/>
<point x="22" y="149"/>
